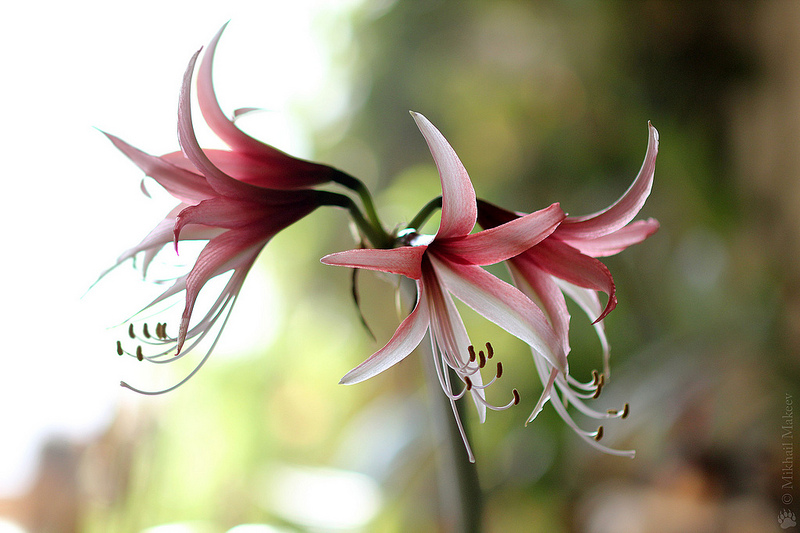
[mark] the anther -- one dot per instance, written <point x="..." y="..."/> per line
<point x="595" y="377"/>
<point x="161" y="330"/>
<point x="499" y="369"/>
<point x="119" y="348"/>
<point x="626" y="409"/>
<point x="599" y="387"/>
<point x="131" y="333"/>
<point x="516" y="396"/>
<point x="482" y="362"/>
<point x="468" y="382"/>
<point x="471" y="351"/>
<point x="139" y="354"/>
<point x="145" y="332"/>
<point x="489" y="350"/>
<point x="599" y="434"/>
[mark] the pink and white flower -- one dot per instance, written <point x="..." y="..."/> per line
<point x="565" y="263"/>
<point x="235" y="199"/>
<point x="449" y="264"/>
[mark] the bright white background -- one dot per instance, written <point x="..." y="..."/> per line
<point x="71" y="203"/>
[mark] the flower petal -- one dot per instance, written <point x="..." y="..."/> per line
<point x="274" y="173"/>
<point x="218" y="180"/>
<point x="449" y="337"/>
<point x="213" y="114"/>
<point x="183" y="184"/>
<point x="615" y="242"/>
<point x="565" y="262"/>
<point x="405" y="339"/>
<point x="623" y="210"/>
<point x="459" y="211"/>
<point x="504" y="305"/>
<point x="223" y="212"/>
<point x="502" y="242"/>
<point x="540" y="287"/>
<point x="405" y="260"/>
<point x="267" y="166"/>
<point x="230" y="250"/>
<point x="589" y="302"/>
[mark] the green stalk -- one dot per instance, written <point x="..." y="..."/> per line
<point x="425" y="213"/>
<point x="375" y="234"/>
<point x="357" y="186"/>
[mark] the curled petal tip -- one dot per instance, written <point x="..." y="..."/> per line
<point x="654" y="134"/>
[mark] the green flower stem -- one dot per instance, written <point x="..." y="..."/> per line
<point x="461" y="499"/>
<point x="460" y="490"/>
<point x="425" y="213"/>
<point x="356" y="185"/>
<point x="375" y="234"/>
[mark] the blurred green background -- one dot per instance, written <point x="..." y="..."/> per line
<point x="544" y="102"/>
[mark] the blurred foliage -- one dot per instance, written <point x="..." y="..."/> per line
<point x="544" y="102"/>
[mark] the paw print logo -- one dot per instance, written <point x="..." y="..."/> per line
<point x="787" y="519"/>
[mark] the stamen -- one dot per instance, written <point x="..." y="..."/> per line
<point x="515" y="392"/>
<point x="145" y="332"/>
<point x="131" y="333"/>
<point x="139" y="354"/>
<point x="626" y="409"/>
<point x="489" y="350"/>
<point x="499" y="369"/>
<point x="468" y="382"/>
<point x="471" y="351"/>
<point x="600" y="382"/>
<point x="120" y="351"/>
<point x="599" y="434"/>
<point x="482" y="362"/>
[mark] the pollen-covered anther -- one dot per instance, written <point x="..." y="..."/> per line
<point x="489" y="350"/>
<point x="595" y="377"/>
<point x="482" y="357"/>
<point x="499" y="369"/>
<point x="131" y="333"/>
<point x="626" y="409"/>
<point x="599" y="433"/>
<point x="120" y="351"/>
<point x="601" y="380"/>
<point x="139" y="354"/>
<point x="515" y="392"/>
<point x="468" y="382"/>
<point x="471" y="350"/>
<point x="145" y="331"/>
